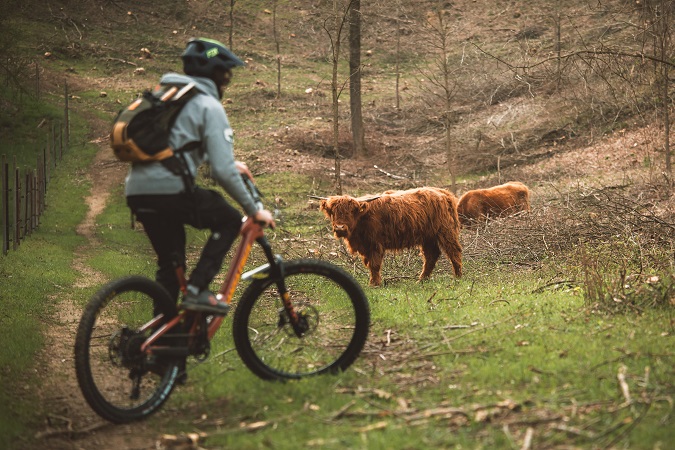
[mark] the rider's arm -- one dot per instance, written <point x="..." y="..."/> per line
<point x="218" y="145"/>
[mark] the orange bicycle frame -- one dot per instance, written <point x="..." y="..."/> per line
<point x="250" y="232"/>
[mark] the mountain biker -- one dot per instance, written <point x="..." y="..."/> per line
<point x="162" y="201"/>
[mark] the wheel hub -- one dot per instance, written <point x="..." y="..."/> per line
<point x="124" y="348"/>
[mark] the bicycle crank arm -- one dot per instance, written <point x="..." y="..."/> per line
<point x="171" y="351"/>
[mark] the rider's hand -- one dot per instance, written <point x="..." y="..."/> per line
<point x="243" y="169"/>
<point x="266" y="217"/>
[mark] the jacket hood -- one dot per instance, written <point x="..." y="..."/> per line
<point x="204" y="85"/>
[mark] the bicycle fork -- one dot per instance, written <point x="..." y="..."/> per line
<point x="275" y="269"/>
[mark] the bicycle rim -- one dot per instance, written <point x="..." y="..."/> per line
<point x="108" y="362"/>
<point x="334" y="306"/>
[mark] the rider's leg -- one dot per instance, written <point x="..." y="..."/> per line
<point x="224" y="221"/>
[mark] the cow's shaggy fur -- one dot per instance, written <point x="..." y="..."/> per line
<point x="395" y="220"/>
<point x="497" y="201"/>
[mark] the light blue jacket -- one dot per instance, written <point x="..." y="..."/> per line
<point x="202" y="119"/>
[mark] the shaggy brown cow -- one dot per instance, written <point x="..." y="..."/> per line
<point x="395" y="220"/>
<point x="502" y="200"/>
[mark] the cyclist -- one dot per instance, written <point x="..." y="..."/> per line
<point x="164" y="203"/>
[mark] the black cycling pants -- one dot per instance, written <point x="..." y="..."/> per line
<point x="164" y="218"/>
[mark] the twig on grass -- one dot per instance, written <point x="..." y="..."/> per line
<point x="341" y="412"/>
<point x="527" y="442"/>
<point x="621" y="376"/>
<point x="448" y="352"/>
<point x="627" y="429"/>
<point x="456" y="327"/>
<point x="70" y="432"/>
<point x="484" y="327"/>
<point x="390" y="175"/>
<point x="498" y="301"/>
<point x="124" y="61"/>
<point x="574" y="431"/>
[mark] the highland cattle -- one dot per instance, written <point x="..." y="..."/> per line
<point x="395" y="220"/>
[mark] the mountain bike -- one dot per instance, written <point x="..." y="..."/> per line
<point x="295" y="319"/>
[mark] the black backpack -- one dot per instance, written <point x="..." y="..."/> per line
<point x="140" y="133"/>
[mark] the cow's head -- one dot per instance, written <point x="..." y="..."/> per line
<point x="344" y="213"/>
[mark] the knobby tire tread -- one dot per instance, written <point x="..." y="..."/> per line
<point x="88" y="386"/>
<point x="307" y="266"/>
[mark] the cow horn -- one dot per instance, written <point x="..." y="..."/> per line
<point x="318" y="198"/>
<point x="371" y="198"/>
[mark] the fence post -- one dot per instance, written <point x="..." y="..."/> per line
<point x="37" y="80"/>
<point x="43" y="182"/>
<point x="43" y="197"/>
<point x="66" y="116"/>
<point x="5" y="205"/>
<point x="26" y="206"/>
<point x="18" y="225"/>
<point x="52" y="145"/>
<point x="35" y="200"/>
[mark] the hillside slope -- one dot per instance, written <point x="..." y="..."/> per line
<point x="512" y="100"/>
<point x="586" y="141"/>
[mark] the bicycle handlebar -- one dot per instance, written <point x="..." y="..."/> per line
<point x="253" y="189"/>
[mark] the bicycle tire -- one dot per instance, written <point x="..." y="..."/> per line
<point x="104" y="380"/>
<point x="334" y="303"/>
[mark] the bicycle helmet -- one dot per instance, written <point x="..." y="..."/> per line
<point x="204" y="57"/>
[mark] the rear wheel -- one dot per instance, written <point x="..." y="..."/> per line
<point x="119" y="382"/>
<point x="332" y="308"/>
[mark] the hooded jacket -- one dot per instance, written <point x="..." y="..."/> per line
<point x="202" y="119"/>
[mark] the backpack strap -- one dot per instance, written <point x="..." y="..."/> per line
<point x="177" y="165"/>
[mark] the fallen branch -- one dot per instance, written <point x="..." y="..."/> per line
<point x="124" y="61"/>
<point x="527" y="442"/>
<point x="341" y="412"/>
<point x="574" y="431"/>
<point x="448" y="352"/>
<point x="621" y="376"/>
<point x="435" y="412"/>
<point x="70" y="432"/>
<point x="390" y="175"/>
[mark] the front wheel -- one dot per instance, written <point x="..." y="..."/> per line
<point x="332" y="308"/>
<point x="119" y="382"/>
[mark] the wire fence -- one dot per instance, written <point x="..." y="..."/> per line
<point x="23" y="192"/>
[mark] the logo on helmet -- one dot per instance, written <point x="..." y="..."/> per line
<point x="210" y="53"/>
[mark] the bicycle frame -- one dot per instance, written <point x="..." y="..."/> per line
<point x="250" y="232"/>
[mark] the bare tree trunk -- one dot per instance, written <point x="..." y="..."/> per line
<point x="666" y="123"/>
<point x="442" y="76"/>
<point x="448" y="91"/>
<point x="276" y="42"/>
<point x="558" y="44"/>
<point x="334" y="91"/>
<point x="665" y="35"/>
<point x="398" y="56"/>
<point x="355" y="77"/>
<point x="231" y="31"/>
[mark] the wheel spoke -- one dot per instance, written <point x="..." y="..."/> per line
<point x="328" y="301"/>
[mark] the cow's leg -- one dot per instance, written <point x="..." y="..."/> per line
<point x="430" y="254"/>
<point x="453" y="250"/>
<point x="374" y="264"/>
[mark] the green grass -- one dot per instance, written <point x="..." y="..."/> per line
<point x="538" y="356"/>
<point x="486" y="346"/>
<point x="35" y="279"/>
<point x="470" y="363"/>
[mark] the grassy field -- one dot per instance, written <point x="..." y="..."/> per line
<point x="481" y="362"/>
<point x="559" y="335"/>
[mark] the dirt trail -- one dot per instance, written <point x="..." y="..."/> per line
<point x="70" y="423"/>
